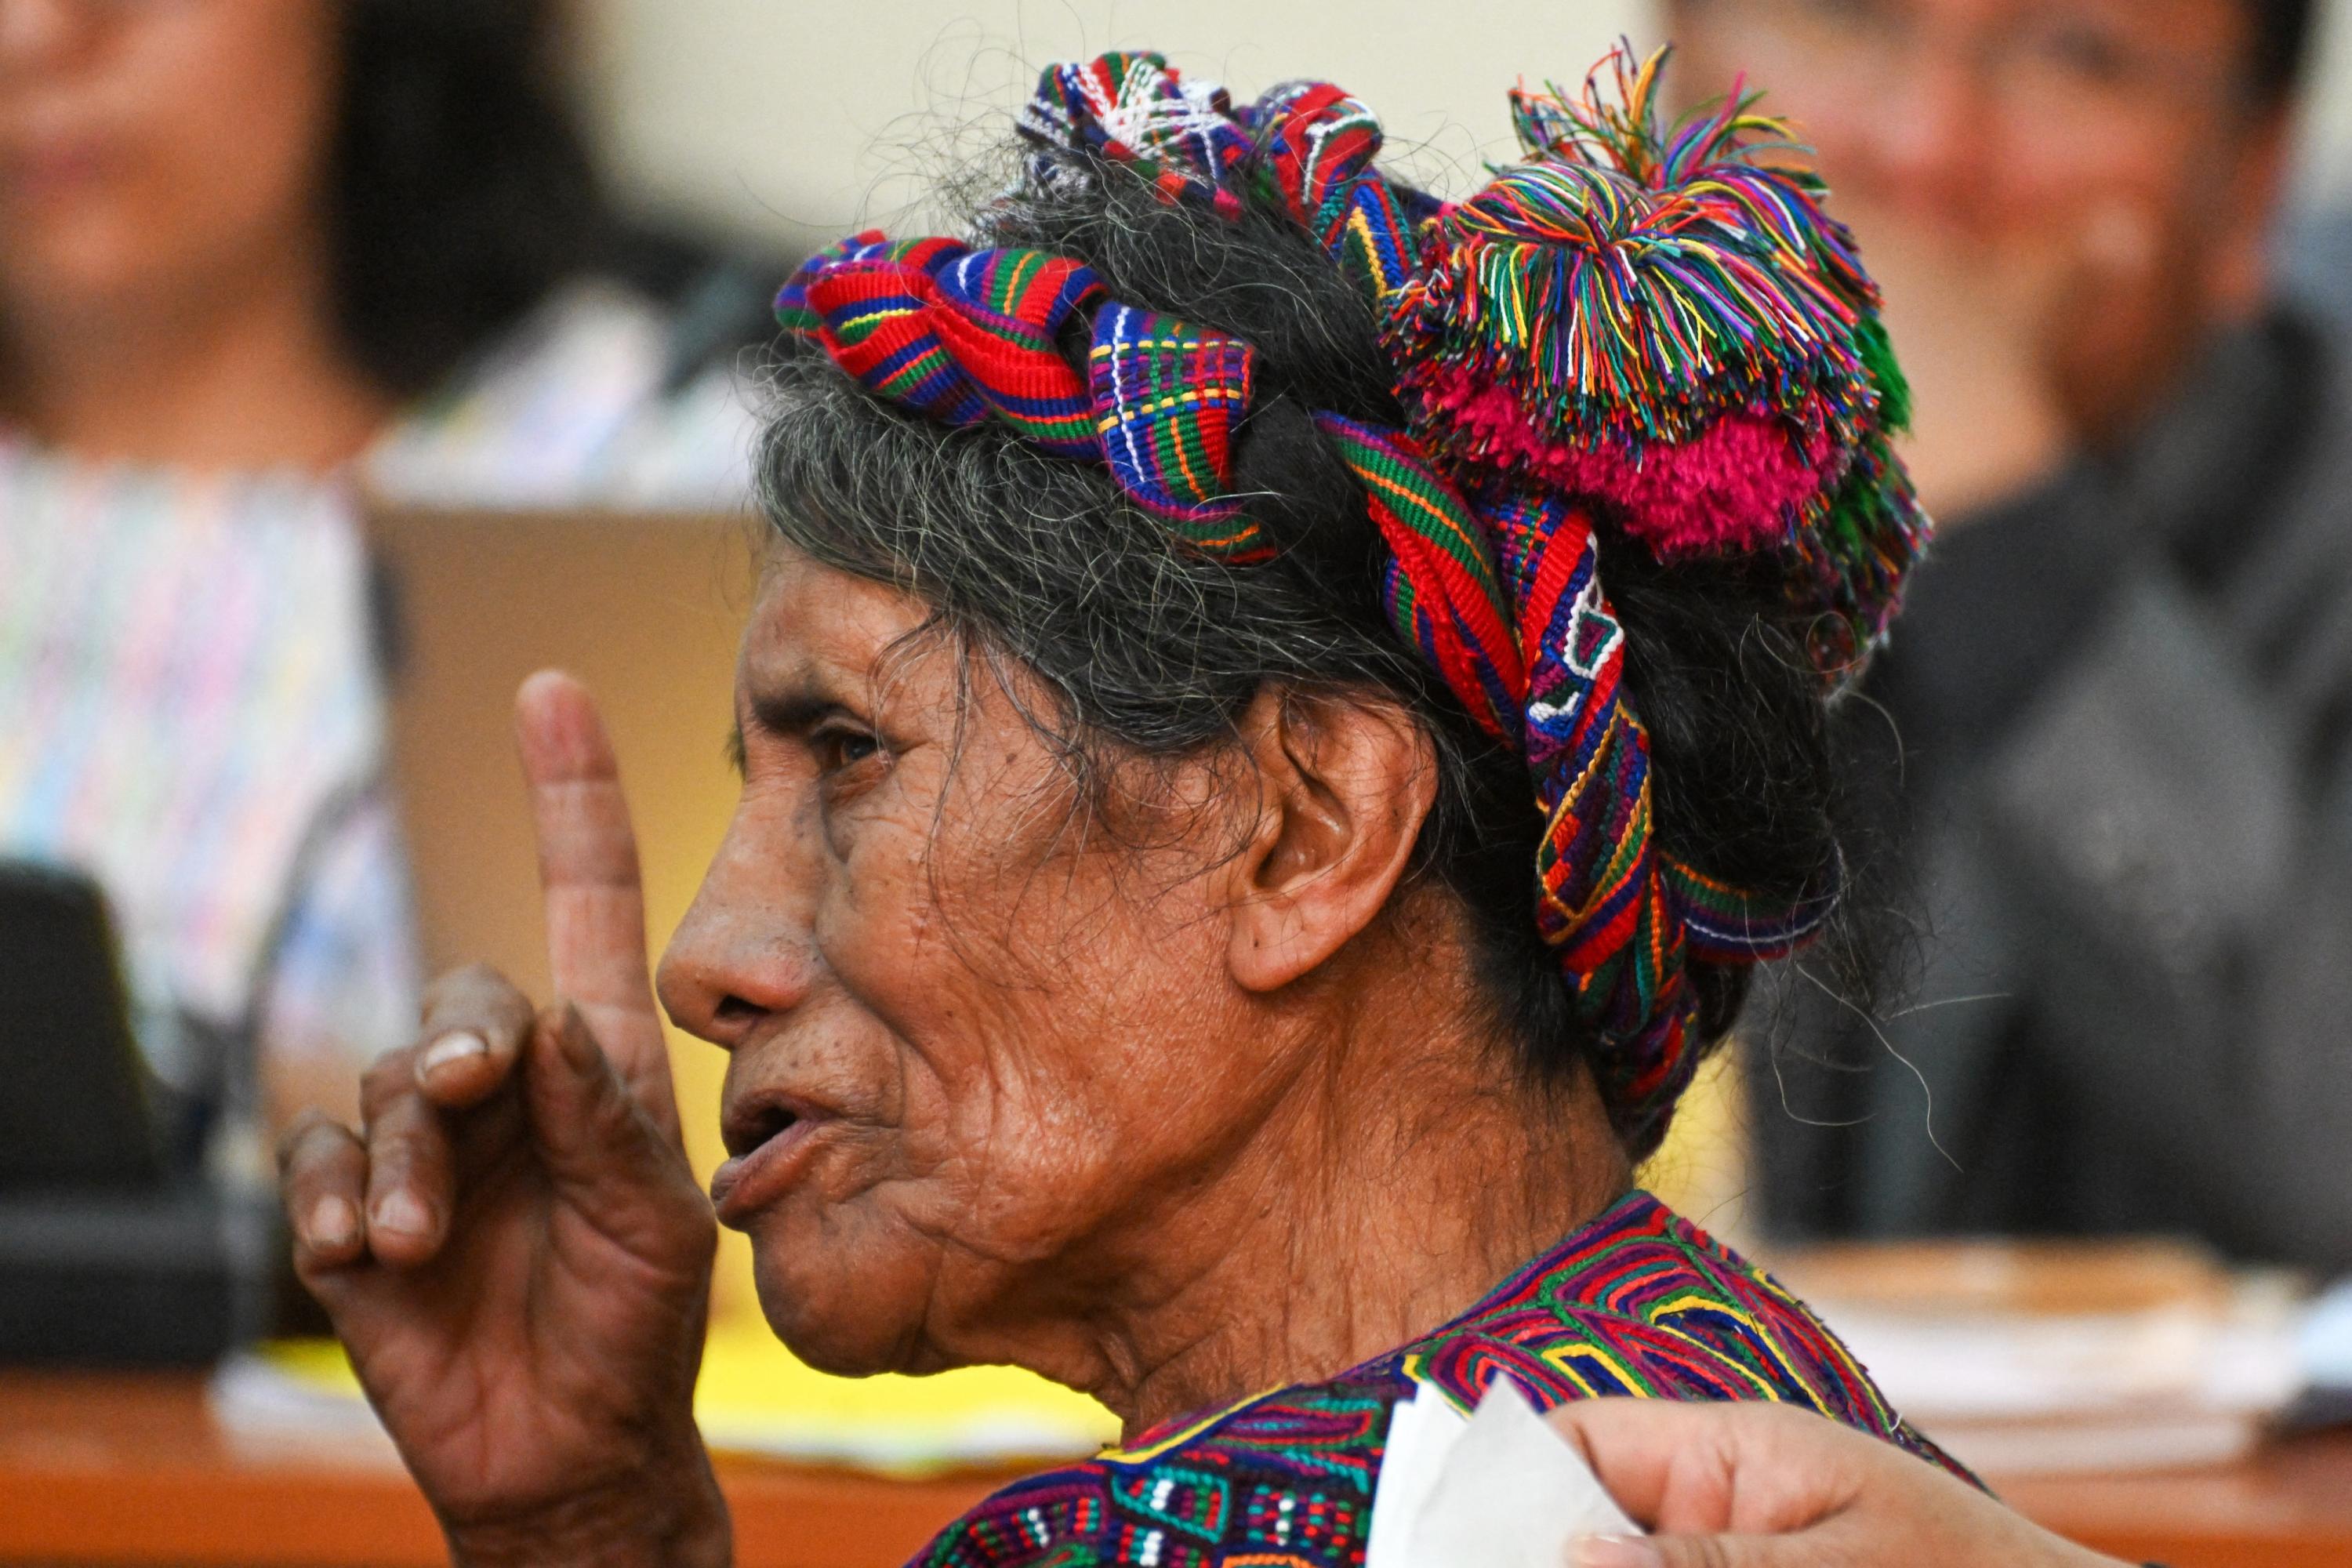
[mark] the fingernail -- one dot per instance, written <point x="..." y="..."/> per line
<point x="450" y="1048"/>
<point x="334" y="1222"/>
<point x="402" y="1213"/>
<point x="1615" y="1552"/>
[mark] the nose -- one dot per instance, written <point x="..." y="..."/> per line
<point x="1928" y="146"/>
<point x="746" y="951"/>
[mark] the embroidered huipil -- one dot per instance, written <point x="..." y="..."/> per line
<point x="1639" y="1302"/>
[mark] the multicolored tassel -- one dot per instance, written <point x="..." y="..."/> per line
<point x="1664" y="323"/>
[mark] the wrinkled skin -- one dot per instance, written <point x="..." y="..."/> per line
<point x="1030" y="1039"/>
<point x="888" y="937"/>
<point x="1070" y="1079"/>
<point x="513" y="1248"/>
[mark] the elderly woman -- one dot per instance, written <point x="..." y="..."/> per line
<point x="1281" y="718"/>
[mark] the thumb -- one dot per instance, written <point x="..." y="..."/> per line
<point x="599" y="1144"/>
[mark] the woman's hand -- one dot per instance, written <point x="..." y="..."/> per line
<point x="1766" y="1486"/>
<point x="514" y="1250"/>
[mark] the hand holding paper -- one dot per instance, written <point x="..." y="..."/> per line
<point x="1499" y="1489"/>
<point x="1752" y="1485"/>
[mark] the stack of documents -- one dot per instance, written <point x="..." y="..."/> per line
<point x="2025" y="1358"/>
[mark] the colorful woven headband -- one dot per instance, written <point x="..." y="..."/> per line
<point x="1629" y="331"/>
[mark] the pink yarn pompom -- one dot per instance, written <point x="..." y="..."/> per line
<point x="1731" y="489"/>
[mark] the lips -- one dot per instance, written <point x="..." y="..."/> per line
<point x="769" y="1138"/>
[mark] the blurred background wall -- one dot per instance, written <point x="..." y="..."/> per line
<point x="726" y="113"/>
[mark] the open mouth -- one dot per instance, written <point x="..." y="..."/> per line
<point x="763" y="1135"/>
<point x="744" y="1130"/>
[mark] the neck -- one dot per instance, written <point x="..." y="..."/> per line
<point x="243" y="373"/>
<point x="1396" y="1181"/>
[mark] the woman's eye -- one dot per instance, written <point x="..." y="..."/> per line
<point x="2081" y="52"/>
<point x="839" y="749"/>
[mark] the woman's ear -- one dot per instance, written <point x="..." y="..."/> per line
<point x="1344" y="787"/>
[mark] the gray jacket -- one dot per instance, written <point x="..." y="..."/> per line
<point x="2104" y="807"/>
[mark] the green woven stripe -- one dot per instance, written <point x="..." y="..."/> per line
<point x="1431" y="511"/>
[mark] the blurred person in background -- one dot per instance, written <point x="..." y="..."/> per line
<point x="258" y="258"/>
<point x="2108" y="748"/>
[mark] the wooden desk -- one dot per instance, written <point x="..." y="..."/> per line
<point x="2289" y="1506"/>
<point x="131" y="1469"/>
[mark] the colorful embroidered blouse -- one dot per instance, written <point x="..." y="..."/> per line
<point x="1639" y="1302"/>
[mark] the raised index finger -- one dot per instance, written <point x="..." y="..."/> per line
<point x="588" y="875"/>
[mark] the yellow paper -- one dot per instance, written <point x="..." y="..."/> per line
<point x="755" y="1397"/>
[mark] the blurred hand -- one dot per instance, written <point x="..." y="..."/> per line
<point x="1767" y="1486"/>
<point x="514" y="1249"/>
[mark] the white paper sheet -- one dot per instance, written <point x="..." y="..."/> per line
<point x="1499" y="1489"/>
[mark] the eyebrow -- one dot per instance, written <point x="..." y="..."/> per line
<point x="794" y="711"/>
<point x="786" y="713"/>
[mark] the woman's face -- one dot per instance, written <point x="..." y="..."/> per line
<point x="2117" y="139"/>
<point x="1991" y="117"/>
<point x="152" y="147"/>
<point x="981" y="1041"/>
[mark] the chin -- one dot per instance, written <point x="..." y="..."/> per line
<point x="841" y="1309"/>
<point x="69" y="266"/>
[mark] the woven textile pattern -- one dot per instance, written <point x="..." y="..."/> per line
<point x="1320" y="142"/>
<point x="1167" y="398"/>
<point x="1638" y="1303"/>
<point x="1131" y="108"/>
<point x="960" y="335"/>
<point x="1441" y="589"/>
